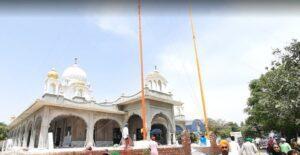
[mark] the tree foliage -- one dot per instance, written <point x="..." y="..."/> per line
<point x="274" y="102"/>
<point x="222" y="128"/>
<point x="3" y="131"/>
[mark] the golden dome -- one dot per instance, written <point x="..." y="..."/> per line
<point x="52" y="74"/>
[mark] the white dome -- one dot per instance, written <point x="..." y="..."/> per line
<point x="74" y="73"/>
<point x="155" y="75"/>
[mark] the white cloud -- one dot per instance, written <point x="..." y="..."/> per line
<point x="118" y="25"/>
<point x="116" y="17"/>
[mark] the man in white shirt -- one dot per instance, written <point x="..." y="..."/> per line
<point x="125" y="134"/>
<point x="234" y="147"/>
<point x="248" y="148"/>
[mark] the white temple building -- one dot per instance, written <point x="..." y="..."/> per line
<point x="67" y="109"/>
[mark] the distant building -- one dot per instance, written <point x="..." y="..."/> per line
<point x="195" y="125"/>
<point x="68" y="110"/>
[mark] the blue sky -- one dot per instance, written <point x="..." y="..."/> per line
<point x="233" y="48"/>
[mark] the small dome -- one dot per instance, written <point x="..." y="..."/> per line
<point x="155" y="75"/>
<point x="75" y="73"/>
<point x="155" y="81"/>
<point x="52" y="74"/>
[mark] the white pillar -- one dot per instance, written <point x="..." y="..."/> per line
<point x="148" y="117"/>
<point x="90" y="131"/>
<point x="43" y="135"/>
<point x="32" y="136"/>
<point x="169" y="138"/>
<point x="174" y="138"/>
<point x="14" y="139"/>
<point x="25" y="136"/>
<point x="148" y="133"/>
<point x="19" y="138"/>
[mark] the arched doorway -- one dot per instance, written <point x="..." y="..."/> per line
<point x="160" y="133"/>
<point x="107" y="132"/>
<point x="160" y="128"/>
<point x="68" y="131"/>
<point x="135" y="124"/>
<point x="37" y="128"/>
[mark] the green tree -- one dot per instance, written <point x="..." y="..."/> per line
<point x="249" y="131"/>
<point x="274" y="102"/>
<point x="3" y="131"/>
<point x="222" y="128"/>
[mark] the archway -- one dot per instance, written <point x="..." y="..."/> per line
<point x="37" y="128"/>
<point x="135" y="124"/>
<point x="107" y="132"/>
<point x="160" y="133"/>
<point x="161" y="128"/>
<point x="68" y="131"/>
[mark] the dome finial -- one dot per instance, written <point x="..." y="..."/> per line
<point x="76" y="61"/>
<point x="155" y="67"/>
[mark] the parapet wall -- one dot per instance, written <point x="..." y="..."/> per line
<point x="170" y="150"/>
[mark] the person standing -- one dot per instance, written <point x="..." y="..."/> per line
<point x="234" y="147"/>
<point x="125" y="135"/>
<point x="284" y="146"/>
<point x="248" y="148"/>
<point x="153" y="146"/>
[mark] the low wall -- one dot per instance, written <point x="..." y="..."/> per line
<point x="213" y="150"/>
<point x="163" y="150"/>
<point x="104" y="143"/>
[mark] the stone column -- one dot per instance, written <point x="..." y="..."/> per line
<point x="90" y="131"/>
<point x="14" y="139"/>
<point x="148" y="117"/>
<point x="174" y="138"/>
<point x="169" y="138"/>
<point x="148" y="132"/>
<point x="25" y="136"/>
<point x="17" y="138"/>
<point x="32" y="136"/>
<point x="43" y="136"/>
<point x="20" y="138"/>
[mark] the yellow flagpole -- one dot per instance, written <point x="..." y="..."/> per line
<point x="143" y="104"/>
<point x="199" y="71"/>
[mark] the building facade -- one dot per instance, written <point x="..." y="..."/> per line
<point x="68" y="111"/>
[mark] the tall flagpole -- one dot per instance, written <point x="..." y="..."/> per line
<point x="199" y="71"/>
<point x="143" y="104"/>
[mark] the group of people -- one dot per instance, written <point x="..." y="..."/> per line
<point x="233" y="148"/>
<point x="249" y="148"/>
<point x="281" y="148"/>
